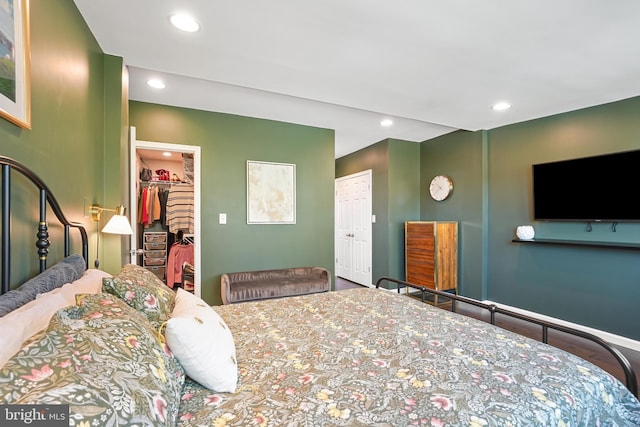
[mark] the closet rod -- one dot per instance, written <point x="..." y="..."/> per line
<point x="166" y="183"/>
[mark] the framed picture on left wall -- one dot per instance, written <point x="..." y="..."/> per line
<point x="15" y="73"/>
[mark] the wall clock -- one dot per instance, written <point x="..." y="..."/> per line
<point x="440" y="188"/>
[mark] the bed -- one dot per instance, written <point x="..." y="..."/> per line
<point x="123" y="350"/>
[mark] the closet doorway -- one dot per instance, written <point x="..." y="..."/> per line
<point x="150" y="238"/>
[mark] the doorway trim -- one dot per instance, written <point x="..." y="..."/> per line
<point x="134" y="144"/>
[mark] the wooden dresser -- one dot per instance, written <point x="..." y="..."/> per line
<point x="431" y="254"/>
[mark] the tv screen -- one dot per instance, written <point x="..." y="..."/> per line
<point x="598" y="188"/>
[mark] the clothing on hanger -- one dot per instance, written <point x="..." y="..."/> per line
<point x="179" y="253"/>
<point x="180" y="208"/>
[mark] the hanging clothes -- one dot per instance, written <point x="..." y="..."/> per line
<point x="143" y="208"/>
<point x="154" y="205"/>
<point x="163" y="195"/>
<point x="149" y="220"/>
<point x="152" y="201"/>
<point x="179" y="253"/>
<point x="180" y="208"/>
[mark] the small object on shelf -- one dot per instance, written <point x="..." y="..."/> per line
<point x="163" y="175"/>
<point x="525" y="232"/>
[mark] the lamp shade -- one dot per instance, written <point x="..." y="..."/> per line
<point x="118" y="224"/>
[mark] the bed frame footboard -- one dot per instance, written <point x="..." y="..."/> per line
<point x="630" y="377"/>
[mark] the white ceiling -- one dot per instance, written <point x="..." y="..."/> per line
<point x="433" y="66"/>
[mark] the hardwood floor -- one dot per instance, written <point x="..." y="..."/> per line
<point x="578" y="346"/>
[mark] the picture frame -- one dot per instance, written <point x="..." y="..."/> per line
<point x="15" y="66"/>
<point x="271" y="193"/>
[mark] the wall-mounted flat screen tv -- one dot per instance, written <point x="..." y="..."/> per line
<point x="598" y="188"/>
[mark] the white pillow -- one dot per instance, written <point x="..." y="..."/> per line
<point x="202" y="343"/>
<point x="89" y="283"/>
<point x="26" y="321"/>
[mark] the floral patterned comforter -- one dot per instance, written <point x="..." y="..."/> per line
<point x="368" y="357"/>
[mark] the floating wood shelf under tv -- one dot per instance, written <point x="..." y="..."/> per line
<point x="616" y="245"/>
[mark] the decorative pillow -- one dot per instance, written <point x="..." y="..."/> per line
<point x="65" y="271"/>
<point x="140" y="274"/>
<point x="144" y="292"/>
<point x="202" y="343"/>
<point x="34" y="316"/>
<point x="102" y="359"/>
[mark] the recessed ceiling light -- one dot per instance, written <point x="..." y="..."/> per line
<point x="386" y="123"/>
<point x="185" y="23"/>
<point x="501" y="106"/>
<point x="166" y="154"/>
<point x="156" y="83"/>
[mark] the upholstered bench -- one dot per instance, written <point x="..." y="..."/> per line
<point x="265" y="284"/>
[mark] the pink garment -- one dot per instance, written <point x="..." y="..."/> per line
<point x="178" y="255"/>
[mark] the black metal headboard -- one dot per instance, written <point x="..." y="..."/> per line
<point x="42" y="242"/>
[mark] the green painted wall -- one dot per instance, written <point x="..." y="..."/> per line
<point x="491" y="170"/>
<point x="404" y="198"/>
<point x="395" y="168"/>
<point x="64" y="146"/>
<point x="458" y="155"/>
<point x="227" y="142"/>
<point x="376" y="158"/>
<point x="591" y="286"/>
<point x="115" y="249"/>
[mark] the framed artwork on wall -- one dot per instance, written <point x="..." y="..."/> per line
<point x="15" y="77"/>
<point x="271" y="193"/>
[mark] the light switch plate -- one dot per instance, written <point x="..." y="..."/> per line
<point x="222" y="218"/>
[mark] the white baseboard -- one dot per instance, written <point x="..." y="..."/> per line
<point x="607" y="336"/>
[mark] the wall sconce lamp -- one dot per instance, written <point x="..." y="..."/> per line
<point x="118" y="224"/>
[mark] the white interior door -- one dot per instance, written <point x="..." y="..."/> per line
<point x="133" y="180"/>
<point x="343" y="220"/>
<point x="353" y="227"/>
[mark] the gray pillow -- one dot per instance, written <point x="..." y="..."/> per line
<point x="65" y="271"/>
